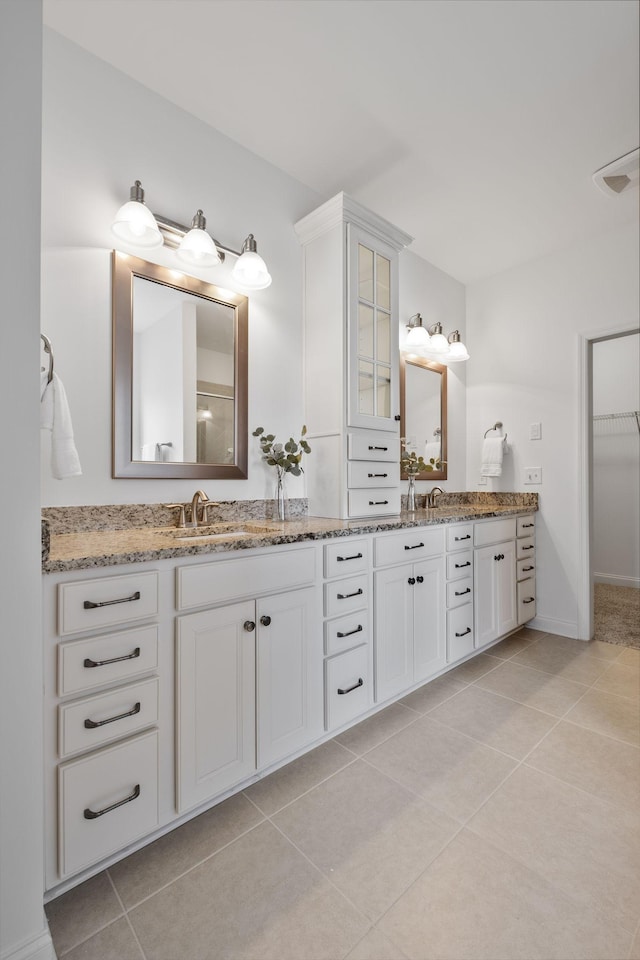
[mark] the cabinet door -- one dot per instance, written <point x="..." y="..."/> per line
<point x="494" y="591"/>
<point x="215" y="708"/>
<point x="429" y="636"/>
<point x="289" y="674"/>
<point x="393" y="631"/>
<point x="373" y="397"/>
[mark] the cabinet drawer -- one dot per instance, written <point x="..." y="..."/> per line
<point x="459" y="632"/>
<point x="525" y="525"/>
<point x="526" y="600"/>
<point x="373" y="446"/>
<point x="343" y="596"/>
<point x="493" y="531"/>
<point x="347" y="687"/>
<point x="345" y="557"/>
<point x="408" y="545"/>
<point x="86" y="664"/>
<point x="459" y="591"/>
<point x="93" y="604"/>
<point x="459" y="535"/>
<point x="225" y="579"/>
<point x="94" y="721"/>
<point x="526" y="568"/>
<point x="346" y="632"/>
<point x="525" y="547"/>
<point x="106" y="800"/>
<point x="368" y="473"/>
<point x="377" y="502"/>
<point x="459" y="564"/>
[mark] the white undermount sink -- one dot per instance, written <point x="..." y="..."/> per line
<point x="219" y="531"/>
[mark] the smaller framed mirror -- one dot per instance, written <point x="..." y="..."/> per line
<point x="423" y="412"/>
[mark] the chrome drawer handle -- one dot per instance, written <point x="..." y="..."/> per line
<point x="459" y="566"/>
<point x="530" y="547"/>
<point x="345" y="596"/>
<point x="356" y="556"/>
<point x="416" y="546"/>
<point x="358" y="629"/>
<point x="379" y="448"/>
<point x="526" y="569"/>
<point x="378" y="503"/>
<point x="103" y="663"/>
<point x="461" y="593"/>
<point x="360" y="683"/>
<point x="90" y="605"/>
<point x="92" y="724"/>
<point x="457" y="539"/>
<point x="384" y="475"/>
<point x="530" y="600"/>
<point x="464" y="632"/>
<point x="93" y="814"/>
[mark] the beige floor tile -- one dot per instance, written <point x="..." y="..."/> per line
<point x="82" y="911"/>
<point x="375" y="946"/>
<point x="609" y="714"/>
<point x="367" y="834"/>
<point x="527" y="633"/>
<point x="567" y="663"/>
<point x="115" y="942"/>
<point x="452" y="772"/>
<point x="579" y="843"/>
<point x="427" y="697"/>
<point x="470" y="670"/>
<point x="591" y="648"/>
<point x="476" y="903"/>
<point x="291" y="781"/>
<point x="630" y="657"/>
<point x="144" y="872"/>
<point x="635" y="949"/>
<point x="499" y="723"/>
<point x="258" y="898"/>
<point x="621" y="679"/>
<point x="377" y="728"/>
<point x="510" y="647"/>
<point x="543" y="691"/>
<point x="604" y="767"/>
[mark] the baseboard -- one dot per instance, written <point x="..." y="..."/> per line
<point x="36" y="948"/>
<point x="564" y="628"/>
<point x="614" y="581"/>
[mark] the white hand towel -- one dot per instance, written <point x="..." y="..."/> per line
<point x="56" y="417"/>
<point x="492" y="451"/>
<point x="432" y="450"/>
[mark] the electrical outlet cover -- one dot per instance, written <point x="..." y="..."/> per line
<point x="533" y="474"/>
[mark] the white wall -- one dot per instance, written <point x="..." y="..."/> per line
<point x="616" y="462"/>
<point x="523" y="331"/>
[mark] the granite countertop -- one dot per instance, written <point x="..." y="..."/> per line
<point x="83" y="549"/>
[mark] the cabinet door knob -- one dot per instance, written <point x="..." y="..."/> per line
<point x="420" y="579"/>
<point x="265" y="621"/>
<point x="411" y="580"/>
<point x="249" y="626"/>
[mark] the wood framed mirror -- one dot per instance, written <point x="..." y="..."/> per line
<point x="423" y="411"/>
<point x="180" y="375"/>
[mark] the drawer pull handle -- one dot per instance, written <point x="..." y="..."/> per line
<point x="265" y="621"/>
<point x="384" y="475"/>
<point x="358" y="629"/>
<point x="94" y="814"/>
<point x="529" y="600"/>
<point x="464" y="632"/>
<point x="92" y="724"/>
<point x="378" y="503"/>
<point x="356" y="556"/>
<point x="90" y="605"/>
<point x="379" y="448"/>
<point x="461" y="593"/>
<point x="345" y="596"/>
<point x="103" y="663"/>
<point x="420" y="579"/>
<point x="526" y="569"/>
<point x="530" y="547"/>
<point x="416" y="546"/>
<point x="360" y="683"/>
<point x="459" y="566"/>
<point x="457" y="539"/>
<point x="525" y="525"/>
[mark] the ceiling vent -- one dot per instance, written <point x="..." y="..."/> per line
<point x="620" y="175"/>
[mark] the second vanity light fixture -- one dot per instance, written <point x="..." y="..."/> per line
<point x="137" y="225"/>
<point x="432" y="342"/>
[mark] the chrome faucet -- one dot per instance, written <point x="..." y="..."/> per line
<point x="432" y="496"/>
<point x="198" y="497"/>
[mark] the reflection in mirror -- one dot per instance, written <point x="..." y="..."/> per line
<point x="180" y="375"/>
<point x="423" y="412"/>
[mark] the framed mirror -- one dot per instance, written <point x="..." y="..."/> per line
<point x="179" y="375"/>
<point x="423" y="411"/>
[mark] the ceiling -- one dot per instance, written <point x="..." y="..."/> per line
<point x="473" y="125"/>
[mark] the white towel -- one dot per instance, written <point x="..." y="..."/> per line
<point x="492" y="451"/>
<point x="432" y="450"/>
<point x="55" y="416"/>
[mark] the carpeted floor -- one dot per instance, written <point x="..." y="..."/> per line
<point x="617" y="615"/>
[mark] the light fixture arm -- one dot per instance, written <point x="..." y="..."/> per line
<point x="414" y="321"/>
<point x="173" y="232"/>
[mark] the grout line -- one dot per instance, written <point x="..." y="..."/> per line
<point x="126" y="914"/>
<point x="633" y="940"/>
<point x="79" y="943"/>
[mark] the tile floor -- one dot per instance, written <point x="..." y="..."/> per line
<point x="491" y="814"/>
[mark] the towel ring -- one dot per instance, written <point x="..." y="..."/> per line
<point x="497" y="426"/>
<point x="48" y="349"/>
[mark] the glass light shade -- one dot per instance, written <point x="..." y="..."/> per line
<point x="251" y="271"/>
<point x="417" y="337"/>
<point x="198" y="249"/>
<point x="438" y="343"/>
<point x="457" y="351"/>
<point x="135" y="224"/>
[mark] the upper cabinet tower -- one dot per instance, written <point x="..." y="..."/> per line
<point x="351" y="364"/>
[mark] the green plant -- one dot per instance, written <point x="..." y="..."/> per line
<point x="412" y="464"/>
<point x="285" y="457"/>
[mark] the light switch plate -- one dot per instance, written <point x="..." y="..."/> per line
<point x="533" y="474"/>
<point x="535" y="431"/>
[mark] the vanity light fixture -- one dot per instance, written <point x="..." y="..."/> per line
<point x="432" y="343"/>
<point x="138" y="226"/>
<point x="418" y="335"/>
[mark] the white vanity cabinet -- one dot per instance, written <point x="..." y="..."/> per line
<point x="409" y="589"/>
<point x="351" y="365"/>
<point x="526" y="568"/>
<point x="494" y="579"/>
<point x="460" y="639"/>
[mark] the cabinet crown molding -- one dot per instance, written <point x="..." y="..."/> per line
<point x="344" y="209"/>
